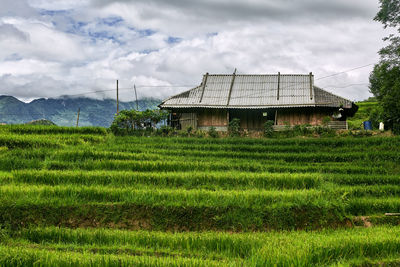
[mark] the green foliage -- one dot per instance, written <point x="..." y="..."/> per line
<point x="41" y="122"/>
<point x="234" y="127"/>
<point x="389" y="16"/>
<point x="325" y="121"/>
<point x="385" y="85"/>
<point x="385" y="78"/>
<point x="376" y="116"/>
<point x="128" y="122"/>
<point x="268" y="128"/>
<point x="212" y="132"/>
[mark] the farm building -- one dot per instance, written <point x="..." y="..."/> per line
<point x="254" y="99"/>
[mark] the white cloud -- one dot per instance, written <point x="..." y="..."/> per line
<point x="51" y="48"/>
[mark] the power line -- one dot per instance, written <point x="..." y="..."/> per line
<point x="332" y="75"/>
<point x="130" y="88"/>
<point x="346" y="86"/>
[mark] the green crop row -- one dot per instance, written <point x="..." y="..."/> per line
<point x="133" y="145"/>
<point x="190" y="166"/>
<point x="393" y="156"/>
<point x="330" y="142"/>
<point x="72" y="194"/>
<point x="95" y="247"/>
<point x="188" y="180"/>
<point x="199" y="179"/>
<point x="51" y="130"/>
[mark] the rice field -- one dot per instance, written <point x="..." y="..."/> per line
<point x="80" y="196"/>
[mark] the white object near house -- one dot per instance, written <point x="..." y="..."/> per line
<point x="381" y="126"/>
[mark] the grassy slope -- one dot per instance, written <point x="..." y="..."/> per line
<point x="195" y="202"/>
<point x="362" y="114"/>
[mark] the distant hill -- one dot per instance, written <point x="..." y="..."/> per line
<point x="63" y="111"/>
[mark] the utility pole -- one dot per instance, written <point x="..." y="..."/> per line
<point x="77" y="119"/>
<point x="137" y="105"/>
<point x="117" y="100"/>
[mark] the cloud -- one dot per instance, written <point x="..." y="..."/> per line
<point x="9" y="32"/>
<point x="188" y="16"/>
<point x="57" y="47"/>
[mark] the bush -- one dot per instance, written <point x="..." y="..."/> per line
<point x="325" y="121"/>
<point x="234" y="127"/>
<point x="212" y="132"/>
<point x="128" y="122"/>
<point x="375" y="116"/>
<point x="268" y="128"/>
<point x="200" y="134"/>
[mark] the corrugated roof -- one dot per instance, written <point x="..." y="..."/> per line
<point x="254" y="92"/>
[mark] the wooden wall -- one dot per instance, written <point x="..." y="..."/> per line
<point x="301" y="116"/>
<point x="251" y="119"/>
<point x="212" y="117"/>
<point x="188" y="120"/>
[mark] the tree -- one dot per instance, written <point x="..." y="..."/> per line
<point x="129" y="121"/>
<point x="385" y="78"/>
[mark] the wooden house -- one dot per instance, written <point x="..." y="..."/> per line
<point x="254" y="99"/>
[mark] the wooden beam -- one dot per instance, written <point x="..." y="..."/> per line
<point x="77" y="119"/>
<point x="230" y="89"/>
<point x="279" y="84"/>
<point x="204" y="86"/>
<point x="117" y="99"/>
<point x="276" y="117"/>
<point x="311" y="86"/>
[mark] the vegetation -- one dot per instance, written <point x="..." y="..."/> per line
<point x="41" y="122"/>
<point x="130" y="121"/>
<point x="366" y="111"/>
<point x="82" y="196"/>
<point x="385" y="78"/>
<point x="234" y="127"/>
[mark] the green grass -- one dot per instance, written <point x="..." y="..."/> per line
<point x="80" y="196"/>
<point x="364" y="109"/>
<point x="57" y="246"/>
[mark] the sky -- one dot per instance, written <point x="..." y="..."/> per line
<point x="50" y="48"/>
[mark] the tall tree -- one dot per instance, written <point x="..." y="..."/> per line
<point x="385" y="78"/>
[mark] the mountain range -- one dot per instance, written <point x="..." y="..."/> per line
<point x="63" y="111"/>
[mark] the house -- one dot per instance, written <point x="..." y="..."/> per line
<point x="255" y="99"/>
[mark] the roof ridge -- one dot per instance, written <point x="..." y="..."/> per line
<point x="267" y="74"/>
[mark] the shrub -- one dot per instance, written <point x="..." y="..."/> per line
<point x="212" y="132"/>
<point x="268" y="128"/>
<point x="189" y="130"/>
<point x="326" y="120"/>
<point x="200" y="134"/>
<point x="234" y="127"/>
<point x="375" y="116"/>
<point x="127" y="122"/>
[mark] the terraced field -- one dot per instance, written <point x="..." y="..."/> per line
<point x="81" y="196"/>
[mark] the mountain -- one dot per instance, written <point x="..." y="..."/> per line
<point x="63" y="111"/>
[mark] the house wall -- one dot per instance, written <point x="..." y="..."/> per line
<point x="203" y="119"/>
<point x="301" y="116"/>
<point x="212" y="117"/>
<point x="252" y="119"/>
<point x="188" y="120"/>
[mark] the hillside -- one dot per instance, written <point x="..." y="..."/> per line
<point x="364" y="109"/>
<point x="63" y="111"/>
<point x="83" y="197"/>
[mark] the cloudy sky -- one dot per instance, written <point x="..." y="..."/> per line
<point x="50" y="48"/>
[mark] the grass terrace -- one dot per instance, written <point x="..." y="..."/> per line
<point x="81" y="196"/>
